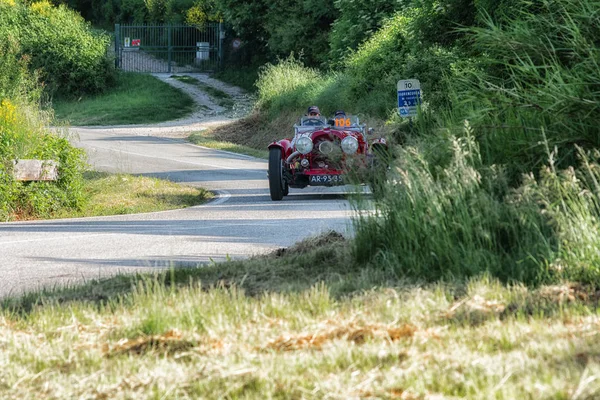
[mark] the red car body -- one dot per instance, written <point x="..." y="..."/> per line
<point x="342" y="150"/>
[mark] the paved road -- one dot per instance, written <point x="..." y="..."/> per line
<point x="240" y="222"/>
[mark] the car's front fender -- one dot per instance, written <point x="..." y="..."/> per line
<point x="285" y="145"/>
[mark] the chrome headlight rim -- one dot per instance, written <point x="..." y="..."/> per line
<point x="349" y="145"/>
<point x="326" y="147"/>
<point x="304" y="145"/>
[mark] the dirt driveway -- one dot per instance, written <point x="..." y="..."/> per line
<point x="207" y="112"/>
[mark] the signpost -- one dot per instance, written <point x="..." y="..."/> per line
<point x="409" y="97"/>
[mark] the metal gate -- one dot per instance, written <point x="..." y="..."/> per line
<point x="169" y="48"/>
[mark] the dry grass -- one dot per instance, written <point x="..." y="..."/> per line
<point x="480" y="340"/>
<point x="253" y="132"/>
<point x="354" y="332"/>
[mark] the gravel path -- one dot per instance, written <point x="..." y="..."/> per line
<point x="206" y="114"/>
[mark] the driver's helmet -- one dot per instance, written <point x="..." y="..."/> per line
<point x="339" y="114"/>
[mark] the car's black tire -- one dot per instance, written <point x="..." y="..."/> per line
<point x="276" y="183"/>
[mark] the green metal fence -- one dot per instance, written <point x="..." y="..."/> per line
<point x="169" y="48"/>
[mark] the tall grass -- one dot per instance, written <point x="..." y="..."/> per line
<point x="454" y="220"/>
<point x="460" y="218"/>
<point x="514" y="193"/>
<point x="540" y="72"/>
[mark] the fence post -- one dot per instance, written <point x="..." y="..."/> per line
<point x="170" y="44"/>
<point x="117" y="44"/>
<point x="221" y="39"/>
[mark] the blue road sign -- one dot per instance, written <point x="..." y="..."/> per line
<point x="409" y="97"/>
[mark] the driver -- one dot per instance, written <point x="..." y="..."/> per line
<point x="313" y="111"/>
<point x="314" y="117"/>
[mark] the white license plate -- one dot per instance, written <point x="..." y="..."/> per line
<point x="326" y="180"/>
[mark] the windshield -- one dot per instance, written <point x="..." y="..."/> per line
<point x="313" y="121"/>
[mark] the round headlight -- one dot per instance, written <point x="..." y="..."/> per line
<point x="304" y="145"/>
<point x="349" y="145"/>
<point x="326" y="147"/>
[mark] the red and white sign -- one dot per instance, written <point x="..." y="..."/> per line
<point x="136" y="42"/>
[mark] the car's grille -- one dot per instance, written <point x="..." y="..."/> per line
<point x="327" y="154"/>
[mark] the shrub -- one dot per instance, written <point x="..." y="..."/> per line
<point x="62" y="45"/>
<point x="23" y="135"/>
<point x="391" y="55"/>
<point x="356" y="22"/>
<point x="286" y="84"/>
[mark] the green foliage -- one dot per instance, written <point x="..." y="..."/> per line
<point x="244" y="77"/>
<point x="460" y="218"/>
<point x="538" y="74"/>
<point x="15" y="80"/>
<point x="23" y="128"/>
<point x="277" y="28"/>
<point x="570" y="200"/>
<point x="455" y="220"/>
<point x="357" y="21"/>
<point x="23" y="135"/>
<point x="72" y="58"/>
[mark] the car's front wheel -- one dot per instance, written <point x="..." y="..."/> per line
<point x="276" y="183"/>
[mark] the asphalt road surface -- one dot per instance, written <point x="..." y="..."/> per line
<point x="240" y="222"/>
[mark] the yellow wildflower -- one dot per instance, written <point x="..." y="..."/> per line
<point x="41" y="7"/>
<point x="10" y="3"/>
<point x="8" y="112"/>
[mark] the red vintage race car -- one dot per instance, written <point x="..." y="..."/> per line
<point x="325" y="153"/>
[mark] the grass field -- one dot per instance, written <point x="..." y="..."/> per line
<point x="133" y="101"/>
<point x="113" y="194"/>
<point x="304" y="323"/>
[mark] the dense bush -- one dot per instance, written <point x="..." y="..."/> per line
<point x="357" y="21"/>
<point x="24" y="133"/>
<point x="15" y="79"/>
<point x="73" y="60"/>
<point x="461" y="218"/>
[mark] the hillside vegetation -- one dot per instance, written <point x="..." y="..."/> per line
<point x="498" y="173"/>
<point x="476" y="276"/>
<point x="45" y="52"/>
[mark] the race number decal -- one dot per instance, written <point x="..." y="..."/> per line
<point x="342" y="122"/>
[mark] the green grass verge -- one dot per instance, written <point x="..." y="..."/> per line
<point x="302" y="323"/>
<point x="219" y="97"/>
<point x="206" y="139"/>
<point x="244" y="77"/>
<point x="137" y="99"/>
<point x="110" y="194"/>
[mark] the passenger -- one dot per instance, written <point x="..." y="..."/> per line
<point x="337" y="115"/>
